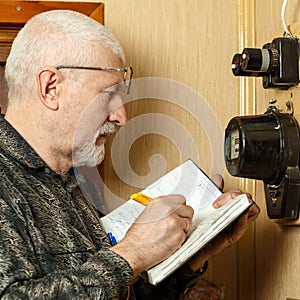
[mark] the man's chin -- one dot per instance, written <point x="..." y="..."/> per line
<point x="88" y="163"/>
<point x="93" y="160"/>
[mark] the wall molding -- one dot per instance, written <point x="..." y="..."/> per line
<point x="247" y="106"/>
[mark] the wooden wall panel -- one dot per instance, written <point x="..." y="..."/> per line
<point x="277" y="247"/>
<point x="245" y="252"/>
<point x="192" y="42"/>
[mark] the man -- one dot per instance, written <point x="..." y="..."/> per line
<point x="64" y="67"/>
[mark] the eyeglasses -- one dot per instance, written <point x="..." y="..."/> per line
<point x="128" y="72"/>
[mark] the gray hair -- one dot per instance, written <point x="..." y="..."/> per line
<point x="53" y="38"/>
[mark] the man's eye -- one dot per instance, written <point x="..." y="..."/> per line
<point x="120" y="87"/>
<point x="112" y="94"/>
<point x="116" y="90"/>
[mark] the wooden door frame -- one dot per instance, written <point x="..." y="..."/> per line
<point x="13" y="16"/>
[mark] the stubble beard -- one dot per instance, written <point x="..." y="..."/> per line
<point x="92" y="152"/>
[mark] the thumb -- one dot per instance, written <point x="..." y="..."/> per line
<point x="218" y="180"/>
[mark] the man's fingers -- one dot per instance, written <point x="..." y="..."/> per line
<point x="185" y="211"/>
<point x="226" y="197"/>
<point x="218" y="180"/>
<point x="253" y="212"/>
<point x="172" y="200"/>
<point x="165" y="206"/>
<point x="187" y="222"/>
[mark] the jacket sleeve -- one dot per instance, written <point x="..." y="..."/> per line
<point x="21" y="277"/>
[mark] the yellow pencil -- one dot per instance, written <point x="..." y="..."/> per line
<point x="141" y="198"/>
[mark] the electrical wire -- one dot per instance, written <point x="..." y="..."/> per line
<point x="286" y="31"/>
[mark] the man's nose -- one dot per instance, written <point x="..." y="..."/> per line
<point x="118" y="116"/>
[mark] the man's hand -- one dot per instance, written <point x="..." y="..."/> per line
<point x="231" y="235"/>
<point x="159" y="231"/>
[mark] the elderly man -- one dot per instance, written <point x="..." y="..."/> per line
<point x="52" y="243"/>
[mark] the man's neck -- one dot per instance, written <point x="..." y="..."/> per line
<point x="30" y="126"/>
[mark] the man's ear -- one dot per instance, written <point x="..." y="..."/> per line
<point x="47" y="84"/>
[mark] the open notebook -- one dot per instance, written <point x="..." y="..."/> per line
<point x="200" y="192"/>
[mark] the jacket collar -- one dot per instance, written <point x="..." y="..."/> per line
<point x="13" y="144"/>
